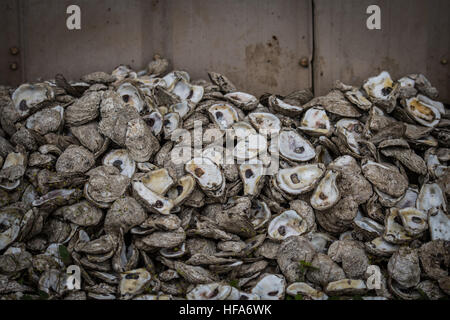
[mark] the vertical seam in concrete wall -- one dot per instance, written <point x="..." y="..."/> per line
<point x="21" y="41"/>
<point x="313" y="44"/>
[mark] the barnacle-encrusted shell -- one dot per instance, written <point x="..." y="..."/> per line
<point x="140" y="141"/>
<point x="324" y="270"/>
<point x="115" y="117"/>
<point x="46" y="120"/>
<point x="435" y="259"/>
<point x="404" y="267"/>
<point x="291" y="251"/>
<point x="386" y="178"/>
<point x="222" y="81"/>
<point x="83" y="110"/>
<point x="75" y="159"/>
<point x="82" y="213"/>
<point x="89" y="136"/>
<point x="335" y="103"/>
<point x="124" y="213"/>
<point x="105" y="185"/>
<point x="352" y="257"/>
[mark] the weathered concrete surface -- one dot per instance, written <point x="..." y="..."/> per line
<point x="414" y="38"/>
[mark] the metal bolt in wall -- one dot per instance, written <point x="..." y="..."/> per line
<point x="304" y="62"/>
<point x="14" y="66"/>
<point x="14" y="51"/>
<point x="444" y="61"/>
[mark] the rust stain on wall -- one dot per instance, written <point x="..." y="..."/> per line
<point x="263" y="61"/>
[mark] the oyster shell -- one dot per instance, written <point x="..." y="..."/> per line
<point x="120" y="158"/>
<point x="125" y="213"/>
<point x="105" y="185"/>
<point x="424" y="110"/>
<point x="208" y="176"/>
<point x="404" y="267"/>
<point x="270" y="287"/>
<point x="316" y="122"/>
<point x="287" y="224"/>
<point x="75" y="159"/>
<point x="304" y="289"/>
<point x="131" y="96"/>
<point x="265" y="122"/>
<point x="224" y="115"/>
<point x="140" y="141"/>
<point x="134" y="282"/>
<point x="346" y="287"/>
<point x="84" y="109"/>
<point x="382" y="91"/>
<point x="242" y="100"/>
<point x="279" y="106"/>
<point x="46" y="120"/>
<point x="30" y="97"/>
<point x="294" y="147"/>
<point x="326" y="193"/>
<point x="300" y="179"/>
<point x="253" y="177"/>
<point x="212" y="291"/>
<point x="385" y="178"/>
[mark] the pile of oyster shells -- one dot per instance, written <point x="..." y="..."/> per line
<point x="87" y="179"/>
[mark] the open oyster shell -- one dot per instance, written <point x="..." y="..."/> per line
<point x="294" y="147"/>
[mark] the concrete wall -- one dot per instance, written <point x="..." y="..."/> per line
<point x="257" y="43"/>
<point x="415" y="38"/>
